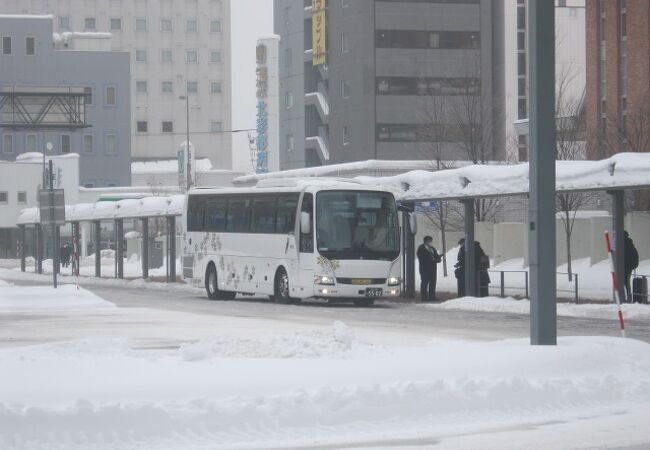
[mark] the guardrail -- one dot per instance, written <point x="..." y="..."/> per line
<point x="502" y="286"/>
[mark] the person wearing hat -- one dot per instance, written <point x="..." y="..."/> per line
<point x="428" y="259"/>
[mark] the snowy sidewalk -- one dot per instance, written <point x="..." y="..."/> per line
<point x="274" y="384"/>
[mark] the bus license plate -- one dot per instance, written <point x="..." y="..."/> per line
<point x="374" y="292"/>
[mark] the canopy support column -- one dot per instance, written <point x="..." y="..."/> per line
<point x="39" y="238"/>
<point x="145" y="248"/>
<point x="75" y="247"/>
<point x="119" y="247"/>
<point x="618" y="224"/>
<point x="171" y="249"/>
<point x="98" y="248"/>
<point x="22" y="237"/>
<point x="470" y="257"/>
<point x="541" y="232"/>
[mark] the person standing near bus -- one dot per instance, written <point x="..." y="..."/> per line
<point x="428" y="259"/>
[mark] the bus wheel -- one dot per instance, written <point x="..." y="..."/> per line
<point x="212" y="286"/>
<point x="281" y="287"/>
<point x="364" y="302"/>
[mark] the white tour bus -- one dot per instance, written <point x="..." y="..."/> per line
<point x="267" y="240"/>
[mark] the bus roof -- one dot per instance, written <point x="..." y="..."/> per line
<point x="292" y="185"/>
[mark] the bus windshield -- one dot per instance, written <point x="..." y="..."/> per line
<point x="357" y="225"/>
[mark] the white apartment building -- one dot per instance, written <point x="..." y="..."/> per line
<point x="570" y="66"/>
<point x="177" y="47"/>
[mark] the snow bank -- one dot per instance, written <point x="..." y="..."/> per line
<point x="66" y="395"/>
<point x="512" y="306"/>
<point x="46" y="299"/>
<point x="336" y="342"/>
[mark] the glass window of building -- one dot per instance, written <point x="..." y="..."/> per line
<point x="6" y="45"/>
<point x="21" y="197"/>
<point x="110" y="144"/>
<point x="345" y="46"/>
<point x="141" y="86"/>
<point x="288" y="99"/>
<point x="215" y="87"/>
<point x="192" y="87"/>
<point x="166" y="25"/>
<point x="30" y="142"/>
<point x="30" y="46"/>
<point x="88" y="95"/>
<point x="142" y="126"/>
<point x="167" y="126"/>
<point x="346" y="135"/>
<point x="345" y="89"/>
<point x="215" y="56"/>
<point x="64" y="23"/>
<point x="90" y="24"/>
<point x="7" y="143"/>
<point x="111" y="96"/>
<point x="88" y="143"/>
<point x="140" y="55"/>
<point x="191" y="25"/>
<point x="191" y="56"/>
<point x="140" y="24"/>
<point x="166" y="56"/>
<point x="116" y="24"/>
<point x="65" y="143"/>
<point x="167" y="87"/>
<point x="4" y="197"/>
<point x="216" y="126"/>
<point x="215" y="26"/>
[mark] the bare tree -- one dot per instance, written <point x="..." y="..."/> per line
<point x="570" y="145"/>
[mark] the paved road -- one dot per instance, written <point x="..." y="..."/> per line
<point x="391" y="316"/>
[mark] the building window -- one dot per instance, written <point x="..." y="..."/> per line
<point x="88" y="143"/>
<point x="522" y="148"/>
<point x="345" y="47"/>
<point x="345" y="89"/>
<point x="288" y="57"/>
<point x="166" y="56"/>
<point x="427" y="39"/>
<point x="215" y="87"/>
<point x="4" y="197"/>
<point x="64" y="23"/>
<point x="215" y="56"/>
<point x="116" y="24"/>
<point x="288" y="99"/>
<point x="215" y="26"/>
<point x="167" y="126"/>
<point x="6" y="45"/>
<point x="30" y="46"/>
<point x="346" y="135"/>
<point x="110" y="144"/>
<point x="166" y="25"/>
<point x="140" y="24"/>
<point x="142" y="126"/>
<point x="191" y="56"/>
<point x="522" y="110"/>
<point x="90" y="24"/>
<point x="141" y="87"/>
<point x="192" y="87"/>
<point x="345" y="3"/>
<point x="7" y="143"/>
<point x="191" y="25"/>
<point x="88" y="95"/>
<point x="216" y="126"/>
<point x="141" y="55"/>
<point x="111" y="96"/>
<point x="167" y="87"/>
<point x="22" y="198"/>
<point x="290" y="142"/>
<point x="30" y="142"/>
<point x="65" y="143"/>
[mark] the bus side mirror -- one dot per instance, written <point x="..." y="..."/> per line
<point x="305" y="223"/>
<point x="413" y="223"/>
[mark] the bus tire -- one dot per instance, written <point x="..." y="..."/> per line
<point x="364" y="302"/>
<point x="281" y="287"/>
<point x="212" y="285"/>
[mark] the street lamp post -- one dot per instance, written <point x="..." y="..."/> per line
<point x="188" y="168"/>
<point x="48" y="147"/>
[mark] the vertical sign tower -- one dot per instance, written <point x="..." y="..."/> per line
<point x="268" y="103"/>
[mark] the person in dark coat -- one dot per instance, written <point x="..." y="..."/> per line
<point x="428" y="258"/>
<point x="459" y="271"/>
<point x="631" y="263"/>
<point x="482" y="264"/>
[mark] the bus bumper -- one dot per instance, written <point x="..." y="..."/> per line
<point x="343" y="291"/>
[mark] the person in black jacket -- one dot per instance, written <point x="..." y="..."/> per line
<point x="428" y="258"/>
<point x="482" y="264"/>
<point x="459" y="271"/>
<point x="631" y="262"/>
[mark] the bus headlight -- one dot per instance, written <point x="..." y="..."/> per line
<point x="393" y="281"/>
<point x="324" y="279"/>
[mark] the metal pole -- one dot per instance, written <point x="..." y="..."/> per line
<point x="541" y="51"/>
<point x="98" y="249"/>
<point x="38" y="230"/>
<point x="503" y="288"/>
<point x="145" y="248"/>
<point x="119" y="247"/>
<point x="618" y="206"/>
<point x="576" y="281"/>
<point x="470" y="257"/>
<point x="55" y="250"/>
<point x="22" y="247"/>
<point x="171" y="232"/>
<point x="187" y="128"/>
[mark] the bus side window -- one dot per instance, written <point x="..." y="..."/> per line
<point x="307" y="240"/>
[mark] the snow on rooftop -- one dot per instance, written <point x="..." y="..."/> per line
<point x="27" y="16"/>
<point x="165" y="166"/>
<point x="38" y="157"/>
<point x="129" y="208"/>
<point x="69" y="35"/>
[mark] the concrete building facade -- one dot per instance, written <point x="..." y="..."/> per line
<point x="78" y="101"/>
<point x="398" y="80"/>
<point x="177" y="47"/>
<point x="618" y="85"/>
<point x="570" y="69"/>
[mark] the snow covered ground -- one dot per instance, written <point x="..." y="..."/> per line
<point x="251" y="383"/>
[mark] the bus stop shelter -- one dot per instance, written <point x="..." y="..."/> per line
<point x="142" y="210"/>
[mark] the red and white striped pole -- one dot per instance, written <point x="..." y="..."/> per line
<point x="608" y="244"/>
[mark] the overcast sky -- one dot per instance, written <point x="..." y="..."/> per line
<point x="251" y="19"/>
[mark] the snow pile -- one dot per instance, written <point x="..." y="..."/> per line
<point x="111" y="398"/>
<point x="46" y="299"/>
<point x="337" y="341"/>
